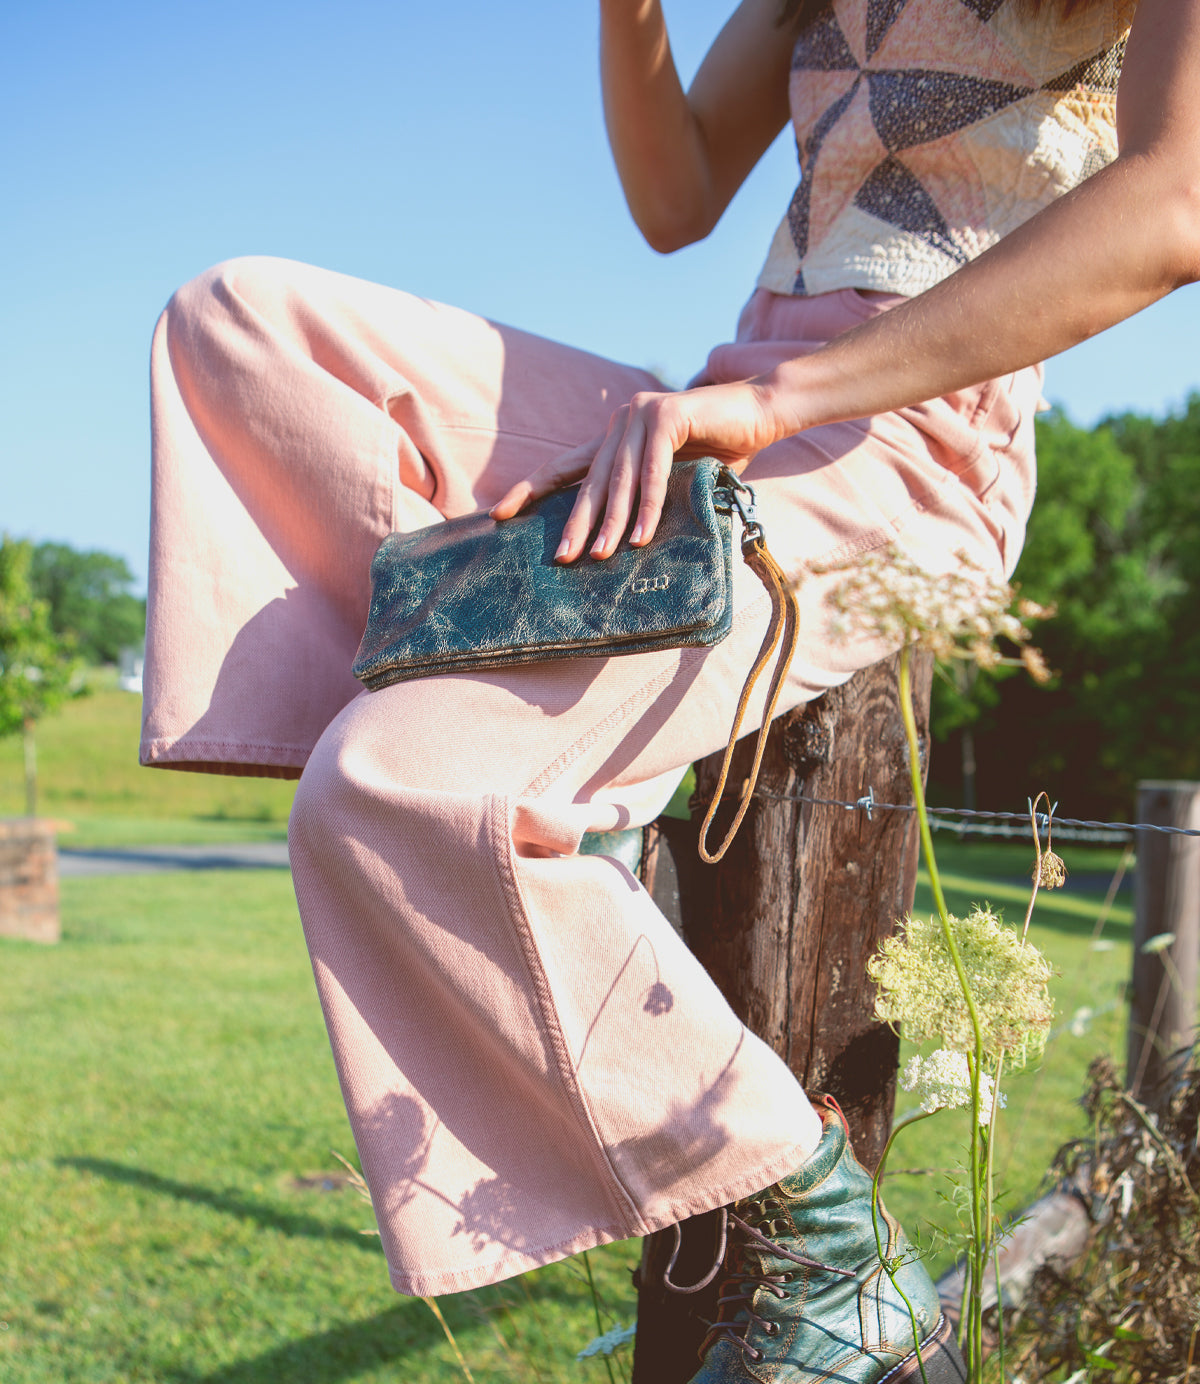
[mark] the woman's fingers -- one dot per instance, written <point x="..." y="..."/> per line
<point x="647" y="451"/>
<point x="624" y="479"/>
<point x="554" y="475"/>
<point x="631" y="464"/>
<point x="590" y="503"/>
<point x="659" y="457"/>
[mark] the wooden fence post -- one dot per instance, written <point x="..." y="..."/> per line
<point x="1162" y="1016"/>
<point x="785" y="925"/>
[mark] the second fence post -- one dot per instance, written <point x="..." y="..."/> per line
<point x="1162" y="1012"/>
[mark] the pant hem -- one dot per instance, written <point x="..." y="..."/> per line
<point x="591" y="1237"/>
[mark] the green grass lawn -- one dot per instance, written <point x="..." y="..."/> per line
<point x="89" y="776"/>
<point x="168" y="1110"/>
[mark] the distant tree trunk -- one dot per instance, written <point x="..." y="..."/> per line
<point x="785" y="925"/>
<point x="31" y="793"/>
<point x="968" y="768"/>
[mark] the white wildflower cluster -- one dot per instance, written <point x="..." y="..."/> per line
<point x="942" y="1081"/>
<point x="918" y="986"/>
<point x="956" y="614"/>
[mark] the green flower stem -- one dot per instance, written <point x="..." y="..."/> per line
<point x="1037" y="863"/>
<point x="431" y="1303"/>
<point x="888" y="1266"/>
<point x="991" y="1244"/>
<point x="971" y="1328"/>
<point x="587" y="1264"/>
<point x="935" y="879"/>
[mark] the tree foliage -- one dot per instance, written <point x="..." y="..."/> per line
<point x="89" y="599"/>
<point x="37" y="665"/>
<point x="1114" y="543"/>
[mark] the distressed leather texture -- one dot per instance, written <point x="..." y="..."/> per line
<point x="472" y="593"/>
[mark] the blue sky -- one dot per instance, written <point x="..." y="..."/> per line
<point x="454" y="149"/>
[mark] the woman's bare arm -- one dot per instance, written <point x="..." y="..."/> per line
<point x="1114" y="245"/>
<point x="682" y="155"/>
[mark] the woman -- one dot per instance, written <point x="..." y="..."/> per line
<point x="514" y="1093"/>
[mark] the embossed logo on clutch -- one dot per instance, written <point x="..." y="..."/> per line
<point x="643" y="584"/>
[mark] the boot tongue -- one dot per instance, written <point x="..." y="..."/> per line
<point x="823" y="1161"/>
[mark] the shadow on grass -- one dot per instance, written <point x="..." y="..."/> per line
<point x="263" y="1214"/>
<point x="327" y="1356"/>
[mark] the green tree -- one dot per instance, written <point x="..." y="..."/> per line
<point x="1114" y="543"/>
<point x="89" y="599"/>
<point x="37" y="666"/>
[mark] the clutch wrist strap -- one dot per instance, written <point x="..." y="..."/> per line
<point x="782" y="635"/>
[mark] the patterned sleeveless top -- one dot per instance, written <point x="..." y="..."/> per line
<point x="928" y="129"/>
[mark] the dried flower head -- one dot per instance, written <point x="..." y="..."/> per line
<point x="1034" y="662"/>
<point x="1049" y="871"/>
<point x="919" y="987"/>
<point x="942" y="1081"/>
<point x="955" y="614"/>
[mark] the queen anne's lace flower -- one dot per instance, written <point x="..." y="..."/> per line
<point x="942" y="1081"/>
<point x="957" y="614"/>
<point x="919" y="987"/>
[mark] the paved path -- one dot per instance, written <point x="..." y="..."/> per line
<point x="272" y="855"/>
<point x="147" y="860"/>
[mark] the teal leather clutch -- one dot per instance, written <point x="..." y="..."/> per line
<point x="474" y="594"/>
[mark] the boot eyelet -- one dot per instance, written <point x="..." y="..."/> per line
<point x="772" y="1328"/>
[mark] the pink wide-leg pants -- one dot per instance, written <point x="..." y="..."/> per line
<point x="532" y="1061"/>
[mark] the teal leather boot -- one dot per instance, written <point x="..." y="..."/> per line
<point x="805" y="1299"/>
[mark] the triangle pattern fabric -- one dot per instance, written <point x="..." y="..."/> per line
<point x="945" y="100"/>
<point x="924" y="115"/>
<point x="798" y="216"/>
<point x="1099" y="72"/>
<point x="881" y="15"/>
<point x="812" y="146"/>
<point x="939" y="37"/>
<point x="822" y="47"/>
<point x="894" y="195"/>
<point x="983" y="8"/>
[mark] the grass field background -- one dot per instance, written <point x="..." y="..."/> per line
<point x="89" y="777"/>
<point x="170" y="1207"/>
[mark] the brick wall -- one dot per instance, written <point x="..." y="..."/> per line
<point x="28" y="880"/>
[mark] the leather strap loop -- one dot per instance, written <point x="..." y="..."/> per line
<point x="782" y="634"/>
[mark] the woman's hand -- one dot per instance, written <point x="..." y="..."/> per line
<point x="630" y="463"/>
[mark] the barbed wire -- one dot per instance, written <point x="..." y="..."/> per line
<point x="965" y="815"/>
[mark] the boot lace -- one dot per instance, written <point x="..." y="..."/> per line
<point x="731" y="1303"/>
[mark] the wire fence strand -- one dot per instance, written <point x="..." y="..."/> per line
<point x="964" y="819"/>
